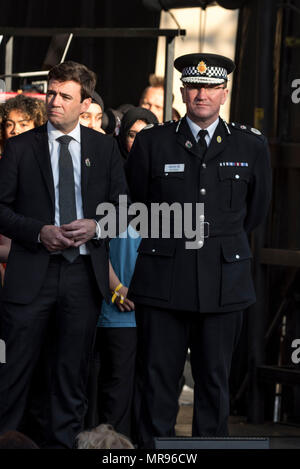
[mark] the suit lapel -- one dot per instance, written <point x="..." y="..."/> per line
<point x="185" y="137"/>
<point x="87" y="162"/>
<point x="41" y="151"/>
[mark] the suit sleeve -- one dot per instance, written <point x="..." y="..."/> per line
<point x="118" y="187"/>
<point x="22" y="229"/>
<point x="259" y="194"/>
<point x="138" y="170"/>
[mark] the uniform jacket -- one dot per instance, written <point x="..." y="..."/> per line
<point x="27" y="203"/>
<point x="216" y="277"/>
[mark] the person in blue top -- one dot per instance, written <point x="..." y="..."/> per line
<point x="113" y="371"/>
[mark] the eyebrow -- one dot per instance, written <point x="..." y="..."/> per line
<point x="21" y="120"/>
<point x="64" y="95"/>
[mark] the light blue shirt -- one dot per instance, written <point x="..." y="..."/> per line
<point x="75" y="151"/>
<point x="195" y="129"/>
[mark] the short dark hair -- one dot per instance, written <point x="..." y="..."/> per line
<point x="32" y="108"/>
<point x="75" y="72"/>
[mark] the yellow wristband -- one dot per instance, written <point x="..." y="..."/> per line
<point x="118" y="287"/>
<point x="115" y="292"/>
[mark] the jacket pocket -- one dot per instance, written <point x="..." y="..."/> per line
<point x="153" y="270"/>
<point x="234" y="186"/>
<point x="236" y="278"/>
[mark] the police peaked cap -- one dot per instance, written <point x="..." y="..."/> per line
<point x="204" y="68"/>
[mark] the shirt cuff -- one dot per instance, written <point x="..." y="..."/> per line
<point x="98" y="230"/>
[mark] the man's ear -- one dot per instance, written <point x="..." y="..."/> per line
<point x="85" y="104"/>
<point x="182" y="89"/>
<point x="226" y="91"/>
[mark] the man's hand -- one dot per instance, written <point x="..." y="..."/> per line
<point x="53" y="239"/>
<point x="79" y="231"/>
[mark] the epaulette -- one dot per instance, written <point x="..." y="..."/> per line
<point x="245" y="128"/>
<point x="159" y="124"/>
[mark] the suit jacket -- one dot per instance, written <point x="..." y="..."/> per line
<point x="27" y="204"/>
<point x="216" y="277"/>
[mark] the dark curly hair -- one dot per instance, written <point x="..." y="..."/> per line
<point x="31" y="107"/>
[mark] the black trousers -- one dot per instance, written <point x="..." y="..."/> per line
<point x="163" y="339"/>
<point x="111" y="381"/>
<point x="64" y="317"/>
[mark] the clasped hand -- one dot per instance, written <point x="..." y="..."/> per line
<point x="57" y="238"/>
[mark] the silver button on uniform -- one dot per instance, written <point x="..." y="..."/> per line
<point x="237" y="176"/>
<point x="203" y="191"/>
<point x="204" y="165"/>
<point x="237" y="256"/>
<point x="200" y="243"/>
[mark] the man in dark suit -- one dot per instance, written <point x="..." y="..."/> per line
<point x="195" y="297"/>
<point x="51" y="181"/>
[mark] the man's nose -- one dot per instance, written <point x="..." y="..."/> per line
<point x="202" y="92"/>
<point x="55" y="100"/>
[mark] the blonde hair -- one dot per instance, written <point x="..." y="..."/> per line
<point x="103" y="437"/>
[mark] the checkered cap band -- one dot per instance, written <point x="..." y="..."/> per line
<point x="211" y="75"/>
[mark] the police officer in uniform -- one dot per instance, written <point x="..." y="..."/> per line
<point x="195" y="298"/>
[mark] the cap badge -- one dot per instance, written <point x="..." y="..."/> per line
<point x="219" y="139"/>
<point x="188" y="144"/>
<point x="87" y="162"/>
<point x="255" y="131"/>
<point x="201" y="67"/>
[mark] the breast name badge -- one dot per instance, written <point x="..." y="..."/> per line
<point x="174" y="168"/>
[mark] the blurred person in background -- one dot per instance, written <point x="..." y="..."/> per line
<point x="17" y="115"/>
<point x="92" y="118"/>
<point x="20" y="114"/>
<point x="103" y="437"/>
<point x="152" y="97"/>
<point x="132" y="123"/>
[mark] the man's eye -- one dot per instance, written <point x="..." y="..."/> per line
<point x="84" y="116"/>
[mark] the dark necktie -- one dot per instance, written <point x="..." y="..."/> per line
<point x="66" y="186"/>
<point x="202" y="145"/>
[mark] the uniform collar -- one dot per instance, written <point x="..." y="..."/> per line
<point x="195" y="128"/>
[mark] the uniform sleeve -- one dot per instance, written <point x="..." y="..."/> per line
<point x="259" y="194"/>
<point x="137" y="170"/>
<point x="24" y="230"/>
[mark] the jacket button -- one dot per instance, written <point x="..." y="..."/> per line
<point x="203" y="165"/>
<point x="237" y="256"/>
<point x="203" y="191"/>
<point x="200" y="243"/>
<point x="153" y="250"/>
<point x="202" y="217"/>
<point x="166" y="174"/>
<point x="237" y="176"/>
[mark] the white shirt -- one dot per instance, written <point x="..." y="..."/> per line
<point x="195" y="129"/>
<point x="75" y="151"/>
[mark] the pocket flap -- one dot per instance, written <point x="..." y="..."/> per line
<point x="237" y="173"/>
<point x="157" y="247"/>
<point x="236" y="248"/>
